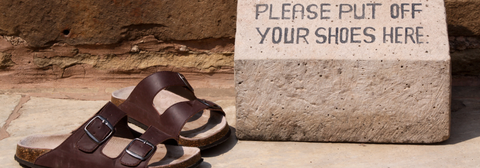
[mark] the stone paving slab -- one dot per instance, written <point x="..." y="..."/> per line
<point x="45" y="116"/>
<point x="8" y="104"/>
<point x="52" y="116"/>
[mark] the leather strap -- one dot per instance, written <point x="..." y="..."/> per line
<point x="139" y="105"/>
<point x="99" y="128"/>
<point x="175" y="117"/>
<point x="140" y="149"/>
<point x="145" y="91"/>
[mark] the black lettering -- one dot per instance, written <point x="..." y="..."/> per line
<point x="409" y="34"/>
<point x="270" y="16"/>
<point x="403" y="9"/>
<point x="419" y="35"/>
<point x="323" y="11"/>
<point x="315" y="14"/>
<point x="394" y="11"/>
<point x="415" y="10"/>
<point x="373" y="8"/>
<point x="263" y="35"/>
<point x="342" y="35"/>
<point x="372" y="37"/>
<point x="385" y="35"/>
<point x="352" y="35"/>
<point x="302" y="36"/>
<point x="291" y="36"/>
<point x="342" y="11"/>
<point x="279" y="36"/>
<point x="330" y="35"/>
<point x="355" y="12"/>
<point x="397" y="34"/>
<point x="320" y="35"/>
<point x="294" y="11"/>
<point x="257" y="12"/>
<point x="284" y="11"/>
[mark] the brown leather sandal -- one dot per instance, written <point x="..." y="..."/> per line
<point x="103" y="141"/>
<point x="165" y="95"/>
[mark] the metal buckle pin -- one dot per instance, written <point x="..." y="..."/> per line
<point x="105" y="122"/>
<point x="137" y="156"/>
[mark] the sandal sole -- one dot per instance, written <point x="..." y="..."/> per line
<point x="27" y="164"/>
<point x="218" y="142"/>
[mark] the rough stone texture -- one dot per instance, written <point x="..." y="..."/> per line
<point x="145" y="55"/>
<point x="382" y="92"/>
<point x="53" y="39"/>
<point x="462" y="17"/>
<point x="6" y="61"/>
<point x="201" y="61"/>
<point x="466" y="62"/>
<point x="343" y="100"/>
<point x="461" y="43"/>
<point x="79" y="22"/>
<point x="9" y="102"/>
<point x="464" y="53"/>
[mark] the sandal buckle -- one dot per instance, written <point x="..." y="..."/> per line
<point x="105" y="122"/>
<point x="185" y="82"/>
<point x="137" y="156"/>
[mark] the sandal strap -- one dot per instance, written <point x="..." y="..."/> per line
<point x="139" y="105"/>
<point x="100" y="128"/>
<point x="146" y="90"/>
<point x="142" y="148"/>
<point x="175" y="117"/>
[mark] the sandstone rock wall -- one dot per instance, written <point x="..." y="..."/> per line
<point x="88" y="22"/>
<point x="464" y="30"/>
<point x="54" y="39"/>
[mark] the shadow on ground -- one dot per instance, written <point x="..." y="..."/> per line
<point x="465" y="116"/>
<point x="222" y="148"/>
<point x="205" y="165"/>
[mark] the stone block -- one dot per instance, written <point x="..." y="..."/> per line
<point x="334" y="73"/>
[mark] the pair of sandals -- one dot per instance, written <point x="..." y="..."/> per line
<point x="178" y="125"/>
